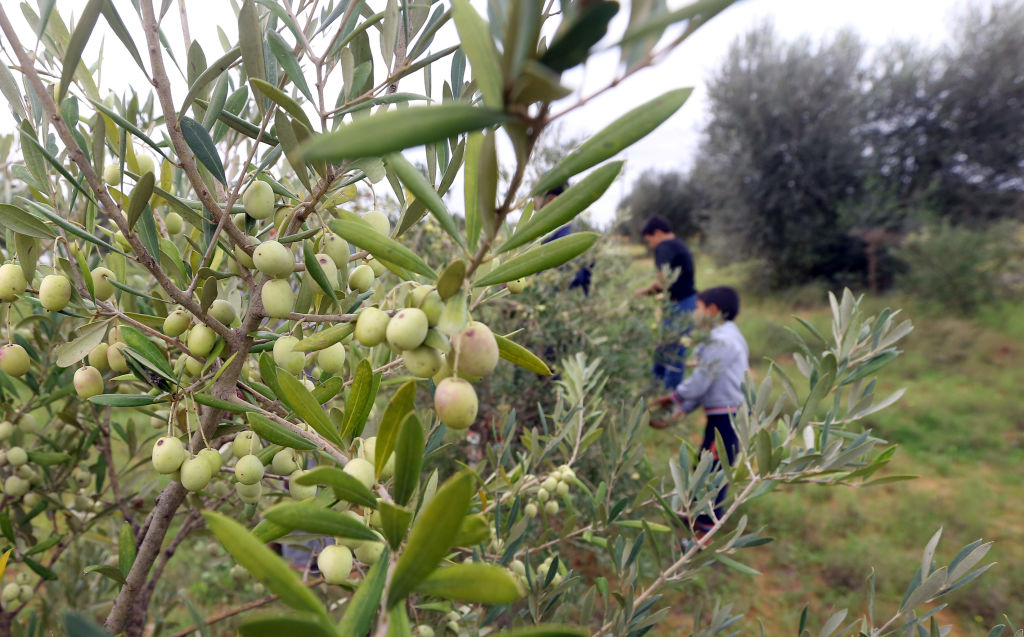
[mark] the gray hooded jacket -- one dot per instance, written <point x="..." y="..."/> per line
<point x="722" y="363"/>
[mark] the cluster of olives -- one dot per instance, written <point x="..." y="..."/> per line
<point x="275" y="260"/>
<point x="18" y="484"/>
<point x="555" y="483"/>
<point x="17" y="592"/>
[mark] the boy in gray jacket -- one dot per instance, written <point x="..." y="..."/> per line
<point x="715" y="384"/>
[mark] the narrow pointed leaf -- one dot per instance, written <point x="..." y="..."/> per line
<point x="312" y="518"/>
<point x="274" y="433"/>
<point x="306" y="406"/>
<point x="257" y="558"/>
<point x="394" y="522"/>
<point x="123" y="123"/>
<point x="325" y="338"/>
<point x="316" y="272"/>
<point x="269" y="623"/>
<point x="211" y="73"/>
<point x="475" y="36"/>
<point x="381" y="247"/>
<point x="390" y="131"/>
<point x="518" y="355"/>
<point x="73" y="53"/>
<point x="22" y="222"/>
<point x="139" y="198"/>
<point x="565" y="207"/>
<point x="620" y="134"/>
<point x="431" y="536"/>
<point x="202" y="146"/>
<point x="359" y="397"/>
<point x="471" y="583"/>
<point x="390" y="423"/>
<point x="121" y="31"/>
<point x="345" y="487"/>
<point x="540" y="258"/>
<point x="358" y="618"/>
<point x="279" y="97"/>
<point x="408" y="458"/>
<point x="122" y="400"/>
<point x="250" y="39"/>
<point x="424" y="192"/>
<point x="286" y="58"/>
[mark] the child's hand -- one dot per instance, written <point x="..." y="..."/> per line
<point x="661" y="402"/>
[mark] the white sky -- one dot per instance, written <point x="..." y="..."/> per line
<point x="671" y="146"/>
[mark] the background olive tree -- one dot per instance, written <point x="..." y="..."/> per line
<point x="206" y="321"/>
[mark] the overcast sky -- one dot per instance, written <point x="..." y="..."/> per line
<point x="671" y="146"/>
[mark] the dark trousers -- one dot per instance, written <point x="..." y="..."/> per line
<point x="722" y="423"/>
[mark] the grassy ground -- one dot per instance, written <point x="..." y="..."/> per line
<point x="959" y="428"/>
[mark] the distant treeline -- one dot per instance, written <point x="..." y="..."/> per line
<point x="822" y="157"/>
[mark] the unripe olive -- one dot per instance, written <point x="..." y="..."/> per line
<point x="101" y="284"/>
<point x="455" y="403"/>
<point x="361" y="470"/>
<point x="112" y="174"/>
<point x="369" y="552"/>
<point x="286" y="357"/>
<point x="249" y="469"/>
<point x="82" y="477"/>
<point x="168" y="454"/>
<point x="562" y="489"/>
<point x="308" y="384"/>
<point x="330" y="270"/>
<point x="517" y="567"/>
<point x="14" y="360"/>
<point x="115" y="359"/>
<point x="17" y="456"/>
<point x="379" y="221"/>
<point x="375" y="265"/>
<point x="543" y="495"/>
<point x="177" y="322"/>
<point x="427" y="299"/>
<point x="335" y="562"/>
<point x="422" y="362"/>
<point x="3" y="458"/>
<point x="6" y="430"/>
<point x="211" y="458"/>
<point x="360" y="278"/>
<point x="245" y="443"/>
<point x="336" y="248"/>
<point x="476" y="349"/>
<point x="223" y="311"/>
<point x="23" y="579"/>
<point x="273" y="259"/>
<point x="192" y="365"/>
<point x="32" y="499"/>
<point x="12" y="281"/>
<point x="195" y="474"/>
<point x="300" y="491"/>
<point x="243" y="257"/>
<point x="88" y="382"/>
<point x="331" y="359"/>
<point x="27" y="423"/>
<point x="551" y="508"/>
<point x="10" y="593"/>
<point x="98" y="357"/>
<point x="549" y="483"/>
<point x="259" y="200"/>
<point x="278" y="298"/>
<point x="55" y="292"/>
<point x="16" y="486"/>
<point x="516" y="286"/>
<point x="218" y="489"/>
<point x="174" y="223"/>
<point x="407" y="329"/>
<point x="424" y="631"/>
<point x="145" y="163"/>
<point x="371" y="326"/>
<point x="285" y="462"/>
<point x="201" y="340"/>
<point x="249" y="493"/>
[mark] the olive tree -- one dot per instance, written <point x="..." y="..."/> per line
<point x="207" y="264"/>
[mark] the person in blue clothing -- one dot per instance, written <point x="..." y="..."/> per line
<point x="581" y="279"/>
<point x="669" y="250"/>
<point x="716" y="384"/>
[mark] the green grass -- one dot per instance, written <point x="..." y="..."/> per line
<point x="959" y="427"/>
